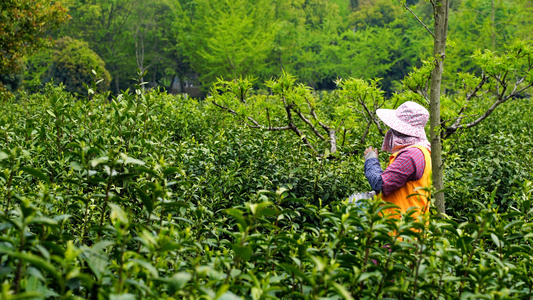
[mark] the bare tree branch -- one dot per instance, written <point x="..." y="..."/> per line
<point x="424" y="94"/>
<point x="515" y="92"/>
<point x="483" y="116"/>
<point x="504" y="89"/>
<point x="365" y="134"/>
<point x="501" y="99"/>
<point x="421" y="92"/>
<point x="313" y="128"/>
<point x="476" y="89"/>
<point x="376" y="121"/>
<point x="255" y="123"/>
<point x="443" y="122"/>
<point x="313" y="113"/>
<point x="468" y="98"/>
<point x="331" y="131"/>
<point x="294" y="128"/>
<point x="302" y="137"/>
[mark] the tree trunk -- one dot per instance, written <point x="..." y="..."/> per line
<point x="439" y="47"/>
<point x="117" y="83"/>
<point x="493" y="26"/>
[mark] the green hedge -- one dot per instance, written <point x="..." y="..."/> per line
<point x="158" y="196"/>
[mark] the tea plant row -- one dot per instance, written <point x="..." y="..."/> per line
<point x="157" y="196"/>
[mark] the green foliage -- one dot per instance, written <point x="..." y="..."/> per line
<point x="495" y="79"/>
<point x="105" y="26"/>
<point x="306" y="28"/>
<point x="368" y="53"/>
<point x="149" y="195"/>
<point x="11" y="82"/>
<point x="320" y="41"/>
<point x="228" y="39"/>
<point x="154" y="37"/>
<point x="36" y="68"/>
<point x="71" y="64"/>
<point x="492" y="155"/>
<point x="23" y="26"/>
<point x="486" y="25"/>
<point x="158" y="196"/>
<point x="314" y="118"/>
<point x="317" y="41"/>
<point x="364" y="98"/>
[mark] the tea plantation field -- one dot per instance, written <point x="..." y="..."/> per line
<point x="154" y="196"/>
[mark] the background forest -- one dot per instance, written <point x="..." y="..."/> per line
<point x="184" y="44"/>
<point x="116" y="184"/>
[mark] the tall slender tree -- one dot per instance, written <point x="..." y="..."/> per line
<point x="495" y="79"/>
<point x="228" y="38"/>
<point x="440" y="13"/>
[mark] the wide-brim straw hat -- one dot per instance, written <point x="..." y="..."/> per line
<point x="409" y="118"/>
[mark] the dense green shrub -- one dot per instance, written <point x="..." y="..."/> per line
<point x="35" y="71"/>
<point x="10" y="82"/>
<point x="70" y="64"/>
<point x="496" y="154"/>
<point x="157" y="196"/>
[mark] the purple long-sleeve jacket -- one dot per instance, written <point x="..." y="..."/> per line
<point x="408" y="166"/>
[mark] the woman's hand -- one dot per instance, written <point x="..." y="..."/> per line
<point x="371" y="152"/>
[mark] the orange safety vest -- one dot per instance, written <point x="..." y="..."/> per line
<point x="401" y="197"/>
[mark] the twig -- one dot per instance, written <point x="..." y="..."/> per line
<point x="372" y="116"/>
<point x="443" y="122"/>
<point x="452" y="129"/>
<point x="367" y="130"/>
<point x="416" y="17"/>
<point x="255" y="123"/>
<point x="313" y="128"/>
<point x="468" y="98"/>
<point x="294" y="128"/>
<point x="331" y="131"/>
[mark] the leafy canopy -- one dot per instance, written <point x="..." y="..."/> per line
<point x="23" y="26"/>
<point x="72" y="63"/>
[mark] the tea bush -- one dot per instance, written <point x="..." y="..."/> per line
<point x="157" y="196"/>
<point x="495" y="154"/>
